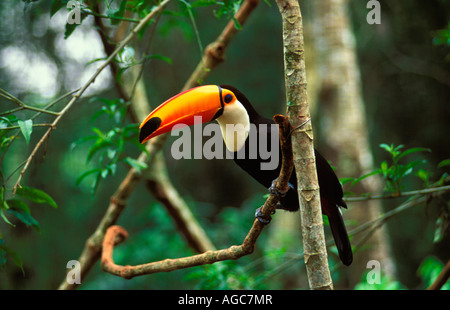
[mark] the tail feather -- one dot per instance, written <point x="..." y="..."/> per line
<point x="340" y="236"/>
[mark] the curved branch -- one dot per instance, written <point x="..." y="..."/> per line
<point x="93" y="246"/>
<point x="209" y="257"/>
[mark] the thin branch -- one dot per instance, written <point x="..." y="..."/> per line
<point x="315" y="253"/>
<point x="91" y="251"/>
<point x="209" y="257"/>
<point x="144" y="21"/>
<point x="378" y="222"/>
<point x="11" y="97"/>
<point x="34" y="125"/>
<point x="109" y="48"/>
<point x="386" y="216"/>
<point x="22" y="105"/>
<point x="93" y="246"/>
<point x="125" y="19"/>
<point x="157" y="180"/>
<point x="27" y="107"/>
<point x="400" y="194"/>
<point x="48" y="106"/>
<point x="215" y="51"/>
<point x="441" y="278"/>
<point x="410" y="64"/>
<point x="369" y="226"/>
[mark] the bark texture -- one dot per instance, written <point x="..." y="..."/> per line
<point x="315" y="253"/>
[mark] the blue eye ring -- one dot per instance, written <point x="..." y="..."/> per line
<point x="228" y="98"/>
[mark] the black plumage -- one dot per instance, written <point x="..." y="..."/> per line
<point x="331" y="193"/>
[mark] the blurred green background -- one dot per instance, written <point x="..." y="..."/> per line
<point x="405" y="82"/>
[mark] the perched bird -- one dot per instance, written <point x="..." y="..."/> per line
<point x="231" y="109"/>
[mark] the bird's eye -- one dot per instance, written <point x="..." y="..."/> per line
<point x="228" y="98"/>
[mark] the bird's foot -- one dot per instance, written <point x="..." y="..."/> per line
<point x="262" y="218"/>
<point x="280" y="193"/>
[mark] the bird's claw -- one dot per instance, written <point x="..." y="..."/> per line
<point x="262" y="218"/>
<point x="280" y="193"/>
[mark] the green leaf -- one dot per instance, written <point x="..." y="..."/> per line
<point x="81" y="140"/>
<point x="346" y="180"/>
<point x="139" y="166"/>
<point x="95" y="60"/>
<point x="378" y="171"/>
<point x="87" y="173"/>
<point x="441" y="227"/>
<point x="15" y="257"/>
<point x="429" y="270"/>
<point x="100" y="144"/>
<point x="8" y="120"/>
<point x="442" y="36"/>
<point x="412" y="164"/>
<point x="6" y="140"/>
<point x="3" y="215"/>
<point x="442" y="179"/>
<point x="160" y="57"/>
<point x="97" y="181"/>
<point x="36" y="195"/>
<point x="384" y="167"/>
<point x="20" y="210"/>
<point x="424" y="175"/>
<point x="237" y="24"/>
<point x="118" y="13"/>
<point x="445" y="162"/>
<point x="70" y="28"/>
<point x="104" y="173"/>
<point x="413" y="150"/>
<point x="56" y="6"/>
<point x="391" y="149"/>
<point x="26" y="127"/>
<point x="202" y="3"/>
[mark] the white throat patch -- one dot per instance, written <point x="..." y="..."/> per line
<point x="235" y="126"/>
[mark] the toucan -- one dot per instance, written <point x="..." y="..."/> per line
<point x="228" y="106"/>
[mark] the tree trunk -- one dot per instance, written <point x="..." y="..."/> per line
<point x="314" y="249"/>
<point x="343" y="123"/>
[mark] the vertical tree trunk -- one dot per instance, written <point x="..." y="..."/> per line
<point x="344" y="127"/>
<point x="314" y="248"/>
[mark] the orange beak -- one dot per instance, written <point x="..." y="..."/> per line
<point x="205" y="101"/>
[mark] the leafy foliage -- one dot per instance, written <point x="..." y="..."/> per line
<point x="6" y="252"/>
<point x="394" y="171"/>
<point x="429" y="270"/>
<point x="7" y="121"/>
<point x="386" y="283"/>
<point x="226" y="275"/>
<point x="110" y="146"/>
<point x="19" y="209"/>
<point x="442" y="37"/>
